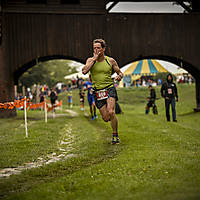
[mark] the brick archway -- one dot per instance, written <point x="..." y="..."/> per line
<point x="33" y="62"/>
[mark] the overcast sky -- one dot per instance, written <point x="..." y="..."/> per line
<point x="146" y="7"/>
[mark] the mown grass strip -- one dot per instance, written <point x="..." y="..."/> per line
<point x="156" y="160"/>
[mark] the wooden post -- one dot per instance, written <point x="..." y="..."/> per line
<point x="25" y="117"/>
<point x="45" y="110"/>
<point x="197" y="109"/>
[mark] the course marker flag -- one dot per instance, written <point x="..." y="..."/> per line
<point x="25" y="117"/>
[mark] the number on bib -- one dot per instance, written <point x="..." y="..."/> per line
<point x="102" y="94"/>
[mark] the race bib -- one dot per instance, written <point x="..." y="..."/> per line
<point x="102" y="94"/>
<point x="169" y="91"/>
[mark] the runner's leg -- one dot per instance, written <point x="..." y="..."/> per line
<point x="94" y="109"/>
<point x="111" y="111"/>
<point x="91" y="111"/>
<point x="104" y="113"/>
<point x="113" y="119"/>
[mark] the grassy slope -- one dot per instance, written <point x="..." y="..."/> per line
<point x="155" y="160"/>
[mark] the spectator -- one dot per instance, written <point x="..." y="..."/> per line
<point x="69" y="97"/>
<point x="41" y="97"/>
<point x="53" y="97"/>
<point x="169" y="93"/>
<point x="151" y="101"/>
<point x="82" y="97"/>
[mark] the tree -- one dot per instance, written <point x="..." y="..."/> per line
<point x="49" y="73"/>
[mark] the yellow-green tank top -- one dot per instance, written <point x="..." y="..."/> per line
<point x="101" y="74"/>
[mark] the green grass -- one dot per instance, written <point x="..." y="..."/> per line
<point x="16" y="149"/>
<point x="156" y="160"/>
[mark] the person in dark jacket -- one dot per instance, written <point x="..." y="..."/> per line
<point x="53" y="96"/>
<point x="151" y="101"/>
<point x="170" y="94"/>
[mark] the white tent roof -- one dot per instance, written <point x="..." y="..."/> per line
<point x="172" y="68"/>
<point x="79" y="74"/>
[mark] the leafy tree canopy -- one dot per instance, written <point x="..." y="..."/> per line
<point x="49" y="73"/>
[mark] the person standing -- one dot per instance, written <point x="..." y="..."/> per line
<point x="53" y="97"/>
<point x="151" y="101"/>
<point x="82" y="98"/>
<point x="170" y="94"/>
<point x="69" y="97"/>
<point x="105" y="94"/>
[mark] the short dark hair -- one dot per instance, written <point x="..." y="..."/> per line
<point x="101" y="41"/>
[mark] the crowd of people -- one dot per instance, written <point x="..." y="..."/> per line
<point x="144" y="81"/>
<point x="85" y="87"/>
<point x="141" y="81"/>
<point x="39" y="94"/>
<point x="185" y="78"/>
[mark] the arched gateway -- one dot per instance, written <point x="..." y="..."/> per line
<point x="35" y="29"/>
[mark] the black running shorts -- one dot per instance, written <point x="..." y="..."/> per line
<point x="112" y="92"/>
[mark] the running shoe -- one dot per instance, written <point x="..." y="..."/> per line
<point x="95" y="117"/>
<point x="113" y="141"/>
<point x="117" y="141"/>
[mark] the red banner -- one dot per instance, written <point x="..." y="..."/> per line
<point x="20" y="103"/>
<point x="15" y="104"/>
<point x="37" y="105"/>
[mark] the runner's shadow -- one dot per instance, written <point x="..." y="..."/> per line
<point x="30" y="118"/>
<point x="39" y="118"/>
<point x="189" y="114"/>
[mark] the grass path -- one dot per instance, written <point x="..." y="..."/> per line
<point x="65" y="147"/>
<point x="156" y="160"/>
<point x="84" y="150"/>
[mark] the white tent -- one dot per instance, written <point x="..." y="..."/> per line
<point x="180" y="71"/>
<point x="79" y="74"/>
<point x="172" y="68"/>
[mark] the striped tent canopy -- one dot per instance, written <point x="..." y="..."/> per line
<point x="145" y="67"/>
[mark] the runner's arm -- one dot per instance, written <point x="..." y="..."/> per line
<point x="162" y="90"/>
<point x="116" y="69"/>
<point x="89" y="63"/>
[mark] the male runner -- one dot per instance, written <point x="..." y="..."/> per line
<point x="105" y="94"/>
